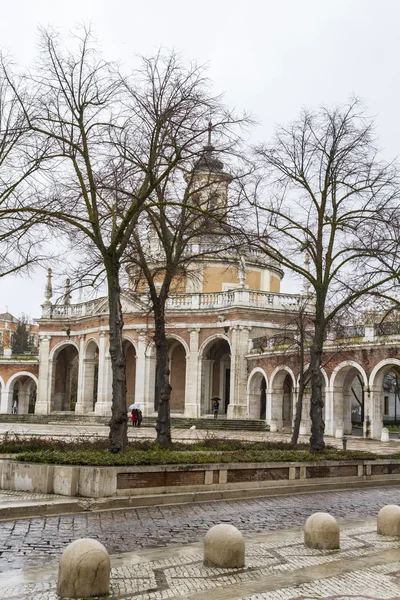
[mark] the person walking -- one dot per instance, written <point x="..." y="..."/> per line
<point x="134" y="417"/>
<point x="215" y="403"/>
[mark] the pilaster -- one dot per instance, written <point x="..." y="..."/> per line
<point x="104" y="388"/>
<point x="237" y="408"/>
<point x="193" y="376"/>
<point x="43" y="402"/>
<point x="79" y="408"/>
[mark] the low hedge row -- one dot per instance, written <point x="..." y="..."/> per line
<point x="158" y="456"/>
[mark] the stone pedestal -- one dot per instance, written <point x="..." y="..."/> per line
<point x="388" y="521"/>
<point x="322" y="532"/>
<point x="84" y="570"/>
<point x="224" y="547"/>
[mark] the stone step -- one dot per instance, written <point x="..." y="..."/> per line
<point x="179" y="422"/>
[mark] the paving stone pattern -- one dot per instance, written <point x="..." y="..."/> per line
<point x="35" y="542"/>
<point x="267" y="562"/>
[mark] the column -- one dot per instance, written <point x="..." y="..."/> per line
<point x="5" y="401"/>
<point x="79" y="408"/>
<point x="329" y="413"/>
<point x="43" y="402"/>
<point x="237" y="408"/>
<point x="193" y="376"/>
<point x="104" y="387"/>
<point x="149" y="382"/>
<point x="141" y="372"/>
<point x="305" y="424"/>
<point x="374" y="411"/>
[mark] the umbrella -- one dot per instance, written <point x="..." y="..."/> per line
<point x="132" y="406"/>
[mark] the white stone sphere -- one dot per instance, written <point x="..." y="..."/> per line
<point x="388" y="521"/>
<point x="322" y="532"/>
<point x="84" y="570"/>
<point x="224" y="547"/>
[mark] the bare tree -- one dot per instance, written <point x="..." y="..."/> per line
<point x="188" y="222"/>
<point x="19" y="160"/>
<point x="112" y="141"/>
<point x="327" y="193"/>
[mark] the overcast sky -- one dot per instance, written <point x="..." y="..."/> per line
<point x="270" y="57"/>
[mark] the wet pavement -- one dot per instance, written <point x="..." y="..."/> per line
<point x="35" y="542"/>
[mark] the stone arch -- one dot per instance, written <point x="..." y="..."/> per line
<point x="377" y="373"/>
<point x="128" y="338"/>
<point x="281" y="392"/>
<point x="60" y="346"/>
<point x="384" y="394"/>
<point x="177" y="355"/>
<point x="347" y="386"/>
<point x="257" y="384"/>
<point x="130" y="352"/>
<point x="213" y="338"/>
<point x="65" y="376"/>
<point x="20" y="392"/>
<point x="174" y="336"/>
<point x="215" y="360"/>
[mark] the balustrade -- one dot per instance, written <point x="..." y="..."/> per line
<point x="140" y="302"/>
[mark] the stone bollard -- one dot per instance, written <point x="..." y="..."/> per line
<point x="84" y="570"/>
<point x="388" y="521"/>
<point x="385" y="434"/>
<point x="223" y="547"/>
<point x="322" y="532"/>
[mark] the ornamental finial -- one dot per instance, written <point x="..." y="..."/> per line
<point x="49" y="289"/>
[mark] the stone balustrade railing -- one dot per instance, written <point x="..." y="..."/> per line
<point x="239" y="297"/>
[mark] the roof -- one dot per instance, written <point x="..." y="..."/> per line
<point x="8" y="317"/>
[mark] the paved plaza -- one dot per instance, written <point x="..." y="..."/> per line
<point x="156" y="552"/>
<point x="278" y="567"/>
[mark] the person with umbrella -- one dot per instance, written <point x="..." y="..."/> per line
<point x="215" y="404"/>
<point x="136" y="414"/>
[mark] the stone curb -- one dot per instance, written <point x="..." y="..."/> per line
<point x="24" y="510"/>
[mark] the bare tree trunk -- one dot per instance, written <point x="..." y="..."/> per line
<point x="119" y="421"/>
<point x="317" y="422"/>
<point x="301" y="322"/>
<point x="297" y="419"/>
<point x="163" y="387"/>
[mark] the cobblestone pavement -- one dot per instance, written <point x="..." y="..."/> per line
<point x="37" y="541"/>
<point x="278" y="567"/>
<point x="69" y="431"/>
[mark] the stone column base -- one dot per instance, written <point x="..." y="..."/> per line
<point x="102" y="409"/>
<point x="237" y="411"/>
<point x="192" y="411"/>
<point x="41" y="408"/>
<point x="305" y="428"/>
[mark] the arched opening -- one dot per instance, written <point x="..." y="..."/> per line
<point x="23" y="392"/>
<point x="177" y="377"/>
<point x="385" y="388"/>
<point x="281" y="394"/>
<point x="65" y="379"/>
<point x="348" y="401"/>
<point x="216" y="375"/>
<point x="287" y="402"/>
<point x="130" y="358"/>
<point x="257" y="396"/>
<point x="391" y="396"/>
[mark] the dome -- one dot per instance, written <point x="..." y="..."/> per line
<point x="209" y="162"/>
